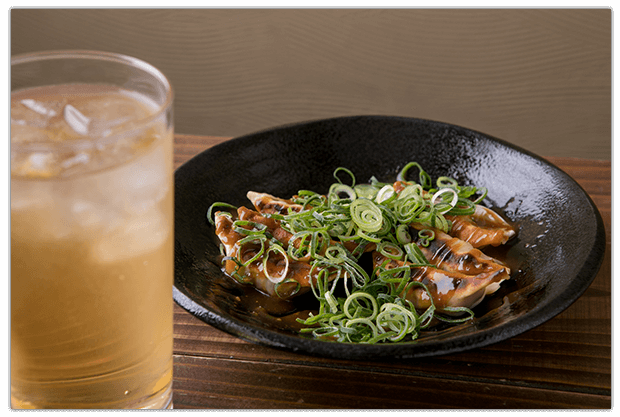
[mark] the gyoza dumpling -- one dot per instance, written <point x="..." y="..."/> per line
<point x="482" y="228"/>
<point x="447" y="289"/>
<point x="456" y="255"/>
<point x="287" y="277"/>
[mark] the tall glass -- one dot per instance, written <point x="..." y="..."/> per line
<point x="91" y="232"/>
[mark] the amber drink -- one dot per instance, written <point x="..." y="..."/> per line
<point x="91" y="232"/>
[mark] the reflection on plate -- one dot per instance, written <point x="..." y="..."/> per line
<point x="556" y="255"/>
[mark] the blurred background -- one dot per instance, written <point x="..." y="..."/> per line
<point x="539" y="78"/>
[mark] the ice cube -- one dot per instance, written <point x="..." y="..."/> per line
<point x="21" y="132"/>
<point x="76" y="120"/>
<point x="112" y="108"/>
<point x="87" y="215"/>
<point x="137" y="236"/>
<point x="103" y="128"/>
<point x="27" y="195"/>
<point x="81" y="158"/>
<point x="35" y="213"/>
<point x="37" y="164"/>
<point x="29" y="112"/>
<point x="40" y="161"/>
<point x="39" y="107"/>
<point x="143" y="183"/>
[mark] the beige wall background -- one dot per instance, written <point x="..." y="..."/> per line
<point x="539" y="78"/>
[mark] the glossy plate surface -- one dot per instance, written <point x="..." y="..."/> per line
<point x="558" y="251"/>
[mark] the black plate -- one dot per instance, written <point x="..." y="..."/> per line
<point x="558" y="251"/>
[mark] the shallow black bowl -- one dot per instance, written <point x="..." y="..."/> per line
<point x="558" y="251"/>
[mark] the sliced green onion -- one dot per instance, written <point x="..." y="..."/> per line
<point x="255" y="228"/>
<point x="336" y="254"/>
<point x="390" y="250"/>
<point x="415" y="254"/>
<point x="368" y="323"/>
<point x="457" y="310"/>
<point x="425" y="179"/>
<point x="463" y="207"/>
<point x="365" y="191"/>
<point x="483" y="196"/>
<point x="402" y="234"/>
<point x="398" y="319"/>
<point x="284" y="273"/>
<point x="287" y="281"/>
<point x="366" y="215"/>
<point x="385" y="195"/>
<point x="453" y="201"/>
<point x="354" y="301"/>
<point x="348" y="172"/>
<point x="333" y="305"/>
<point x="425" y="236"/>
<point x="368" y="237"/>
<point x="209" y="215"/>
<point x="412" y="190"/>
<point x="250" y="239"/>
<point x="443" y="182"/>
<point x="340" y="193"/>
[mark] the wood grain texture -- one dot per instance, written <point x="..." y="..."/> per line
<point x="563" y="364"/>
<point x="539" y="78"/>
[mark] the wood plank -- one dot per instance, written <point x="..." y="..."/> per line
<point x="225" y="383"/>
<point x="562" y="356"/>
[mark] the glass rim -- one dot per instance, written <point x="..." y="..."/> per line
<point x="92" y="55"/>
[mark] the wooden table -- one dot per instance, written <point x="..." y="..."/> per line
<point x="562" y="364"/>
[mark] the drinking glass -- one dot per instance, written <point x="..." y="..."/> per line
<point x="91" y="232"/>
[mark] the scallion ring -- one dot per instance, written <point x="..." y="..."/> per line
<point x="356" y="297"/>
<point x="415" y="254"/>
<point x="385" y="195"/>
<point x="338" y="192"/>
<point x="483" y="196"/>
<point x="331" y="301"/>
<point x="250" y="239"/>
<point x="425" y="179"/>
<point x="426" y="236"/>
<point x="254" y="227"/>
<point x="456" y="310"/>
<point x="390" y="250"/>
<point x="366" y="215"/>
<point x="438" y="194"/>
<point x="336" y="254"/>
<point x="365" y="191"/>
<point x="209" y="216"/>
<point x="284" y="273"/>
<point x="348" y="172"/>
<point x="402" y="234"/>
<point x="443" y="182"/>
<point x="396" y="318"/>
<point x="463" y="207"/>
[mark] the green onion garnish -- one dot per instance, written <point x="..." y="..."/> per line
<point x="332" y="231"/>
